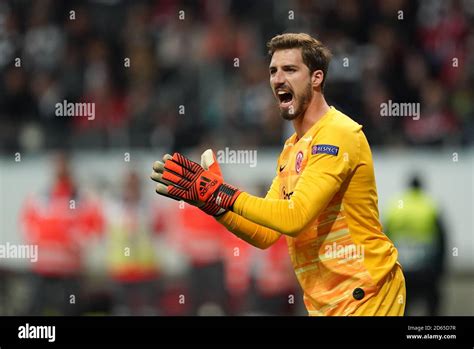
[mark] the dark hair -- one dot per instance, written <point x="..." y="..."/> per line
<point x="315" y="55"/>
<point x="416" y="182"/>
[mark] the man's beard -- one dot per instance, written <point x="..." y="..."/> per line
<point x="304" y="100"/>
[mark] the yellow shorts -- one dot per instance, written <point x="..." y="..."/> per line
<point x="390" y="300"/>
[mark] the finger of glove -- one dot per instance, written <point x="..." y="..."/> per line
<point x="177" y="172"/>
<point x="158" y="177"/>
<point x="184" y="162"/>
<point x="206" y="159"/>
<point x="158" y="167"/>
<point x="172" y="166"/>
<point x="183" y="194"/>
<point x="174" y="179"/>
<point x="163" y="190"/>
<point x="167" y="157"/>
<point x="209" y="162"/>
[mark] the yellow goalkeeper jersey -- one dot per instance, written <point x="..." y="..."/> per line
<point x="324" y="199"/>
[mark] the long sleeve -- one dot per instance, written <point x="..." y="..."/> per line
<point x="319" y="182"/>
<point x="248" y="231"/>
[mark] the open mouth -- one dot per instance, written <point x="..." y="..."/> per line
<point x="285" y="97"/>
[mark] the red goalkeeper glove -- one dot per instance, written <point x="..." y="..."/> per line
<point x="190" y="181"/>
<point x="203" y="186"/>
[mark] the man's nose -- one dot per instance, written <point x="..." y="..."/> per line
<point x="278" y="79"/>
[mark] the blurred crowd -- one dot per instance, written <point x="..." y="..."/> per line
<point x="172" y="74"/>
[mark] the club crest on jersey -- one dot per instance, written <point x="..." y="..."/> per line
<point x="299" y="161"/>
<point x="325" y="149"/>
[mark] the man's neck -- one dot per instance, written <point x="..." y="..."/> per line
<point x="315" y="111"/>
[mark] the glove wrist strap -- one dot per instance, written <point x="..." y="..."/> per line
<point x="226" y="195"/>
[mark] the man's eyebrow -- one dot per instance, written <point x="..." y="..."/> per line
<point x="284" y="66"/>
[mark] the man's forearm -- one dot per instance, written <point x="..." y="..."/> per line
<point x="248" y="231"/>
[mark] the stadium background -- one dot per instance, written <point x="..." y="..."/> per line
<point x="190" y="75"/>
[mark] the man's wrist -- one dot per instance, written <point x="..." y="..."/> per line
<point x="226" y="195"/>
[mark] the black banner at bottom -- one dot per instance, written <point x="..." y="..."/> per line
<point x="64" y="332"/>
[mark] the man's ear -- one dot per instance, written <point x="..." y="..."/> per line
<point x="317" y="78"/>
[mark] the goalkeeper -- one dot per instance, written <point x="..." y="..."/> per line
<point x="323" y="197"/>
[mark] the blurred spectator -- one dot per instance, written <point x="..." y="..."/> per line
<point x="415" y="226"/>
<point x="437" y="124"/>
<point x="237" y="262"/>
<point x="199" y="237"/>
<point x="44" y="40"/>
<point x="60" y="222"/>
<point x="15" y="99"/>
<point x="132" y="262"/>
